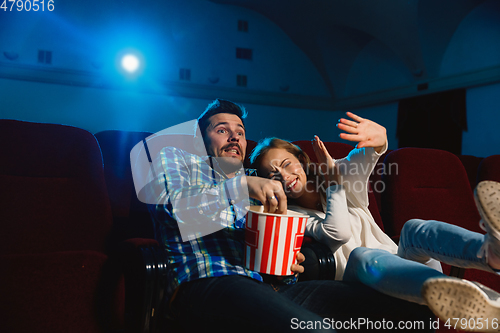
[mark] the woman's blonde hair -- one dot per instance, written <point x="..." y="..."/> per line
<point x="267" y="144"/>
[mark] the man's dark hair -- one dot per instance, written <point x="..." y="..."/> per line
<point x="220" y="106"/>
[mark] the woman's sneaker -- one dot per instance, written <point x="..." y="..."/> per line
<point x="487" y="197"/>
<point x="464" y="305"/>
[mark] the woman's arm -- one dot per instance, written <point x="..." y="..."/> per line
<point x="335" y="229"/>
<point x="359" y="164"/>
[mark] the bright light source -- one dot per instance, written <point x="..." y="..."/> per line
<point x="130" y="63"/>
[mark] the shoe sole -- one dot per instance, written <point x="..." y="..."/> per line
<point x="487" y="197"/>
<point x="454" y="299"/>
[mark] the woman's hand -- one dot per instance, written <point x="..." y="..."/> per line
<point x="368" y="133"/>
<point x="327" y="166"/>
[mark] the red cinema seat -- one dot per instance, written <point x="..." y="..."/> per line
<point x="471" y="164"/>
<point x="336" y="149"/>
<point x="132" y="223"/>
<point x="250" y="147"/>
<point x="376" y="182"/>
<point x="131" y="218"/>
<point x="429" y="184"/>
<point x="489" y="169"/>
<point x="57" y="275"/>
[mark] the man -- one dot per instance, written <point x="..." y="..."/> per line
<point x="210" y="287"/>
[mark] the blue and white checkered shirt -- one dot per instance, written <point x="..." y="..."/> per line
<point x="208" y="196"/>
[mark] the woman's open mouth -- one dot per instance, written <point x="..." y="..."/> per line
<point x="292" y="184"/>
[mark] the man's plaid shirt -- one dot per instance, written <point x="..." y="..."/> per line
<point x="207" y="196"/>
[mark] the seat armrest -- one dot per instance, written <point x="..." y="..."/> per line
<point x="136" y="243"/>
<point x="144" y="264"/>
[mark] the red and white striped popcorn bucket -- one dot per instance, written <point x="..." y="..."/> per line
<point x="272" y="241"/>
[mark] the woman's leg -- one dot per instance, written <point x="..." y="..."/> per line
<point x="451" y="244"/>
<point x="389" y="274"/>
<point x="451" y="299"/>
<point x="487" y="197"/>
<point x="421" y="240"/>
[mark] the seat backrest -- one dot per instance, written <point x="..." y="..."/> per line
<point x="336" y="149"/>
<point x="489" y="169"/>
<point x="376" y="181"/>
<point x="471" y="165"/>
<point x="131" y="218"/>
<point x="429" y="184"/>
<point x="116" y="146"/>
<point x="250" y="147"/>
<point x="52" y="189"/>
<point x="339" y="150"/>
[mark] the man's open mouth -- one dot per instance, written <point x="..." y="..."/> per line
<point x="232" y="150"/>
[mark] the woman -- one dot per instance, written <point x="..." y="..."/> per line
<point x="339" y="217"/>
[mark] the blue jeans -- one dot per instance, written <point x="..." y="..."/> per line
<point x="240" y="304"/>
<point x="421" y="241"/>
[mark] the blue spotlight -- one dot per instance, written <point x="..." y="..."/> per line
<point x="130" y="63"/>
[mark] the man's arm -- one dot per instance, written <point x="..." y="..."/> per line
<point x="269" y="192"/>
<point x="198" y="198"/>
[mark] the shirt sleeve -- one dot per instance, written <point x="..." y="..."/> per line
<point x="355" y="169"/>
<point x="199" y="199"/>
<point x="335" y="229"/>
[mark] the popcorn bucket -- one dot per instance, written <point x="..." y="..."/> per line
<point x="272" y="241"/>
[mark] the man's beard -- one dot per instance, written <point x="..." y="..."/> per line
<point x="229" y="164"/>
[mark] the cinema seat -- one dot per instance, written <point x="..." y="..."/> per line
<point x="336" y="149"/>
<point x="133" y="230"/>
<point x="489" y="169"/>
<point x="250" y="147"/>
<point x="471" y="164"/>
<point x="130" y="216"/>
<point x="57" y="275"/>
<point x="429" y="184"/>
<point x="376" y="182"/>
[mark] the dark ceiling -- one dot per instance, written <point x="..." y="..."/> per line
<point x="332" y="33"/>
